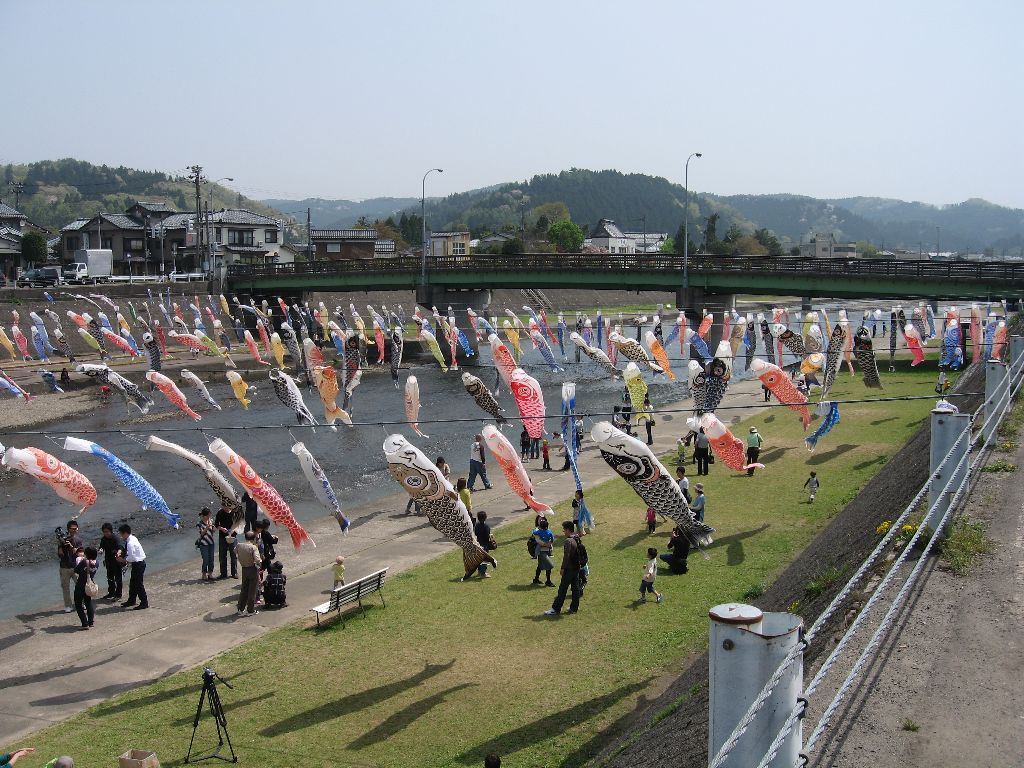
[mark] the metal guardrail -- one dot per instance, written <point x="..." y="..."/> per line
<point x="969" y="271"/>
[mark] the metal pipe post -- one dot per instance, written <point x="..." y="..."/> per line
<point x="747" y="647"/>
<point x="1016" y="350"/>
<point x="996" y="390"/>
<point x="947" y="427"/>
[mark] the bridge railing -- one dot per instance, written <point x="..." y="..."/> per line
<point x="657" y="263"/>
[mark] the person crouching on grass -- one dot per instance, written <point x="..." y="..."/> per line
<point x="650" y="571"/>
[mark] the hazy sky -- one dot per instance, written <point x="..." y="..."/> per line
<point x="916" y="100"/>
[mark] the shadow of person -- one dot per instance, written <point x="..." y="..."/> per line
<point x="353" y="702"/>
<point x="405" y="717"/>
<point x="557" y="722"/>
<point x="734" y="554"/>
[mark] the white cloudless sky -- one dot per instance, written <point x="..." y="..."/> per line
<point x="913" y="100"/>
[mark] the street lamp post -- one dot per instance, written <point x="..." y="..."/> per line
<point x="423" y="222"/>
<point x="210" y="245"/>
<point x="686" y="223"/>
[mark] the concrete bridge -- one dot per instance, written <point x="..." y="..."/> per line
<point x="713" y="280"/>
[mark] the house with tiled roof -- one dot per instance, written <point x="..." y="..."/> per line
<point x="14" y="225"/>
<point x="343" y="244"/>
<point x="607" y="235"/>
<point x="150" y="238"/>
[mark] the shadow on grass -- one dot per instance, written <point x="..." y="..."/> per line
<point x="632" y="540"/>
<point x="10" y="682"/>
<point x="103" y="710"/>
<point x="354" y="702"/>
<point x="229" y="706"/>
<point x="734" y="554"/>
<point x="822" y="458"/>
<point x="100" y="693"/>
<point x="883" y="421"/>
<point x="556" y="723"/>
<point x="773" y="453"/>
<point x="405" y="717"/>
<point x="870" y="462"/>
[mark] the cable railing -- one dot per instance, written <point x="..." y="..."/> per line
<point x="991" y="412"/>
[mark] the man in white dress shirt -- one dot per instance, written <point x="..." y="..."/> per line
<point x="135" y="556"/>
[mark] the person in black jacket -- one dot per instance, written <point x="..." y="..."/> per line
<point x="224" y="522"/>
<point x="266" y="540"/>
<point x="679" y="551"/>
<point x="251" y="512"/>
<point x="110" y="545"/>
<point x="274" y="586"/>
<point x="482" y="531"/>
<point x="85" y="569"/>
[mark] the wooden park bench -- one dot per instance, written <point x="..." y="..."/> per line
<point x="353" y="592"/>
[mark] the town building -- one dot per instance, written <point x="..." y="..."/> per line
<point x="449" y="244"/>
<point x="343" y="244"/>
<point x="647" y="242"/>
<point x="608" y="238"/>
<point x="14" y="225"/>
<point x="153" y="238"/>
<point x="825" y="246"/>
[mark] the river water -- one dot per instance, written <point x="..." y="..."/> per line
<point x="351" y="457"/>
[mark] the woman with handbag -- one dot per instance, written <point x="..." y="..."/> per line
<point x="205" y="542"/>
<point x="648" y="418"/>
<point x="86" y="588"/>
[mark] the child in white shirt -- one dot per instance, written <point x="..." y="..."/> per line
<point x="650" y="571"/>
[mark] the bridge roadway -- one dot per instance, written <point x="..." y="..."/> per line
<point x="708" y="275"/>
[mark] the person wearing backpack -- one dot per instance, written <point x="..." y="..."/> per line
<point x="574" y="560"/>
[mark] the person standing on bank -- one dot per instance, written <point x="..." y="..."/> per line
<point x="249" y="558"/>
<point x="648" y="418"/>
<point x="699" y="503"/>
<point x="110" y="546"/>
<point x="545" y="539"/>
<point x="683" y="482"/>
<point x="205" y="543"/>
<point x="702" y="452"/>
<point x="85" y="571"/>
<point x="250" y="512"/>
<point x="224" y="522"/>
<point x="570" y="573"/>
<point x="135" y="556"/>
<point x="754" y="441"/>
<point x="66" y="554"/>
<point x="478" y="463"/>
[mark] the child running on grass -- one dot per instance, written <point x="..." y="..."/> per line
<point x="650" y="571"/>
<point x="652" y="519"/>
<point x="812" y="484"/>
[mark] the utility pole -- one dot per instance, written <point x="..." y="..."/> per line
<point x="309" y="236"/>
<point x="938" y="233"/>
<point x="17" y="187"/>
<point x="145" y="241"/>
<point x="196" y="177"/>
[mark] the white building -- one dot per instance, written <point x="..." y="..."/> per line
<point x="647" y="242"/>
<point x="608" y="236"/>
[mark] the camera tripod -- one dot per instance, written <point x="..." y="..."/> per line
<point x="209" y="692"/>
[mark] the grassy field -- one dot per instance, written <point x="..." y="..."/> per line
<point x="449" y="671"/>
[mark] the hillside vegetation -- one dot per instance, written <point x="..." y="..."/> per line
<point x="59" y="191"/>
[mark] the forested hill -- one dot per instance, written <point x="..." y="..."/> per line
<point x="56" y="192"/>
<point x="341" y="214"/>
<point x="973" y="225"/>
<point x="589" y="196"/>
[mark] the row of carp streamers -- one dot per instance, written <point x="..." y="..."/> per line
<point x="708" y="376"/>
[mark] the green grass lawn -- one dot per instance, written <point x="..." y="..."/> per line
<point x="450" y="671"/>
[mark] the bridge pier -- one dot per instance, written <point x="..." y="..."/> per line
<point x="696" y="299"/>
<point x="439" y="296"/>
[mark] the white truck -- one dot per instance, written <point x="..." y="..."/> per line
<point x="91" y="265"/>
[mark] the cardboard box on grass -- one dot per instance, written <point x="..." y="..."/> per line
<point x="138" y="758"/>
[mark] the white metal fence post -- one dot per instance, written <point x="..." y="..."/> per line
<point x="1016" y="349"/>
<point x="950" y="436"/>
<point x="996" y="390"/>
<point x="747" y="647"/>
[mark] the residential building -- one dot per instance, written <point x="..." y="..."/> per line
<point x="384" y="248"/>
<point x="150" y="238"/>
<point x="14" y="225"/>
<point x="494" y="241"/>
<point x="449" y="244"/>
<point x="343" y="244"/>
<point x="607" y="235"/>
<point x="826" y="247"/>
<point x="647" y="242"/>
